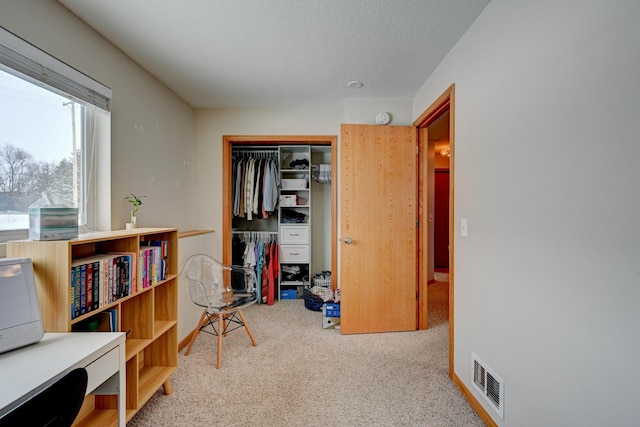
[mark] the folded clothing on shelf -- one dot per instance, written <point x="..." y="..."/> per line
<point x="291" y="216"/>
<point x="299" y="164"/>
<point x="294" y="273"/>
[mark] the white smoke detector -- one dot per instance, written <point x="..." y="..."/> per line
<point x="383" y="119"/>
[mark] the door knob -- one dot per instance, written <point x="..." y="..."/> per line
<point x="348" y="240"/>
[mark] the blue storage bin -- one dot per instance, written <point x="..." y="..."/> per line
<point x="288" y="294"/>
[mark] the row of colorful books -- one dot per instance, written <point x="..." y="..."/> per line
<point x="153" y="262"/>
<point x="104" y="278"/>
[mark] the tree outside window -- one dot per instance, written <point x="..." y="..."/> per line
<point x="38" y="148"/>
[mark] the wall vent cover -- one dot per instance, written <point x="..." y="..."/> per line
<point x="490" y="385"/>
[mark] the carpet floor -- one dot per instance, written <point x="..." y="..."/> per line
<point x="303" y="375"/>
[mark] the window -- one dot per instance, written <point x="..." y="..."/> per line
<point x="54" y="125"/>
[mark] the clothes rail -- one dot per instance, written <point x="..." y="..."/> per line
<point x="258" y="149"/>
<point x="255" y="147"/>
<point x="257" y="236"/>
<point x="255" y="153"/>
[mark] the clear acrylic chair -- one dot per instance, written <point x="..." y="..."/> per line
<point x="223" y="291"/>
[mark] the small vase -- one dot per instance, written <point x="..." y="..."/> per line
<point x="133" y="224"/>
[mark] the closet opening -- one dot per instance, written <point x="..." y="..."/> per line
<point x="279" y="195"/>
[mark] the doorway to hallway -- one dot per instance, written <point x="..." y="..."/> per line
<point x="444" y="106"/>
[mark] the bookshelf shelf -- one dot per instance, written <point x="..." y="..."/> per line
<point x="161" y="326"/>
<point x="104" y="417"/>
<point x="145" y="307"/>
<point x="135" y="346"/>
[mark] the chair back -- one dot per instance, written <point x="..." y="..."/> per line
<point x="57" y="405"/>
<point x="215" y="285"/>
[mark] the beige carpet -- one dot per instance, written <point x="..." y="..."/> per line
<point x="303" y="375"/>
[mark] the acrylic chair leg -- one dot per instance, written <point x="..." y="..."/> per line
<point x="196" y="331"/>
<point x="220" y="320"/>
<point x="246" y="326"/>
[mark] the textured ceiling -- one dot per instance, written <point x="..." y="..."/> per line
<point x="239" y="53"/>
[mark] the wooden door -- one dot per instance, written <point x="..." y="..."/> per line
<point x="441" y="220"/>
<point x="379" y="235"/>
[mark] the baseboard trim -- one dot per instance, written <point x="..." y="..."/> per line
<point x="185" y="342"/>
<point x="475" y="404"/>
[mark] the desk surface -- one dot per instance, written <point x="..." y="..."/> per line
<point x="26" y="370"/>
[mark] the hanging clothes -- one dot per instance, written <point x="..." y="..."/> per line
<point x="258" y="251"/>
<point x="255" y="195"/>
<point x="255" y="185"/>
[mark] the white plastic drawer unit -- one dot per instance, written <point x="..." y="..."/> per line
<point x="294" y="234"/>
<point x="294" y="253"/>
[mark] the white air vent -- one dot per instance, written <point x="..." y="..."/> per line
<point x="490" y="385"/>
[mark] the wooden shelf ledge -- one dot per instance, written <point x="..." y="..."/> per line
<point x="191" y="233"/>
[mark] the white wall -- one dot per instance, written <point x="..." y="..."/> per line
<point x="188" y="313"/>
<point x="151" y="128"/>
<point x="364" y="110"/>
<point x="547" y="284"/>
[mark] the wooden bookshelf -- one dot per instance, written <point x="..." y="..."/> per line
<point x="147" y="314"/>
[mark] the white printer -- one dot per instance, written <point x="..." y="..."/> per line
<point x="20" y="320"/>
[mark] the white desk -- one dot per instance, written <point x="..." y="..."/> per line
<point x="27" y="370"/>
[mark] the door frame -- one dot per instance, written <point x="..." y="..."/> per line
<point x="446" y="101"/>
<point x="229" y="141"/>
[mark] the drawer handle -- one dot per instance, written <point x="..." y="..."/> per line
<point x="295" y="234"/>
<point x="294" y="253"/>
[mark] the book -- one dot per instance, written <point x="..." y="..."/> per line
<point x="159" y="269"/>
<point x="104" y="322"/>
<point x="127" y="281"/>
<point x="89" y="285"/>
<point x="74" y="314"/>
<point x="96" y="285"/>
<point x="113" y="279"/>
<point x="83" y="288"/>
<point x="147" y="266"/>
<point x="113" y="313"/>
<point x="104" y="280"/>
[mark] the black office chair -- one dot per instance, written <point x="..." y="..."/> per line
<point x="55" y="406"/>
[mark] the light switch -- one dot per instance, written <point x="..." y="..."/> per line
<point x="463" y="227"/>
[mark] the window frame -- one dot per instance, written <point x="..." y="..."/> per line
<point x="26" y="61"/>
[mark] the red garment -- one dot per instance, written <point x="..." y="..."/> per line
<point x="265" y="273"/>
<point x="276" y="263"/>
<point x="272" y="279"/>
